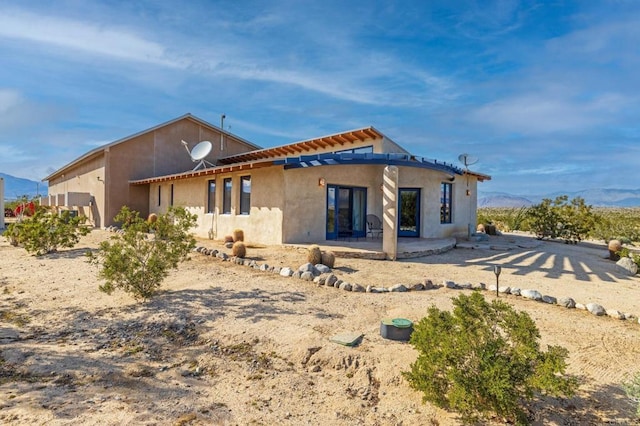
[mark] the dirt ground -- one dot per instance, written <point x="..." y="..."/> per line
<point x="231" y="345"/>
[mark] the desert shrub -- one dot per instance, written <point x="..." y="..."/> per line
<point x="137" y="260"/>
<point x="314" y="254"/>
<point x="238" y="235"/>
<point x="46" y="231"/>
<point x="560" y="218"/>
<point x="484" y="358"/>
<point x="152" y="218"/>
<point x="632" y="388"/>
<point x="328" y="259"/>
<point x="618" y="223"/>
<point x="505" y="219"/>
<point x="239" y="249"/>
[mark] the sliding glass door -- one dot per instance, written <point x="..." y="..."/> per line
<point x="346" y="211"/>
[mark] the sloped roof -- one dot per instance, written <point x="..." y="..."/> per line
<point x="343" y="139"/>
<point x="101" y="149"/>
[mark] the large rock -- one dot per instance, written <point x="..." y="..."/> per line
<point x="628" y="266"/>
<point x="531" y="294"/>
<point x="595" y="309"/>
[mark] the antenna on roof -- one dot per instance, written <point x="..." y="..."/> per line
<point x="222" y="117"/>
<point x="467" y="160"/>
<point x="198" y="153"/>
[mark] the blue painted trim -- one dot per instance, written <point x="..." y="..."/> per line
<point x="392" y="159"/>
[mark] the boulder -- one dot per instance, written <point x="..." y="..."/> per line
<point x="595" y="309"/>
<point x="627" y="266"/>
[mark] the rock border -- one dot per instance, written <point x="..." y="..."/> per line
<point x="322" y="275"/>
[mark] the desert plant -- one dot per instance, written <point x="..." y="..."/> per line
<point x="238" y="235"/>
<point x="328" y="259"/>
<point x="239" y="249"/>
<point x="152" y="218"/>
<point x="484" y="358"/>
<point x="137" y="261"/>
<point x="46" y="231"/>
<point x="560" y="218"/>
<point x="314" y="254"/>
<point x="632" y="388"/>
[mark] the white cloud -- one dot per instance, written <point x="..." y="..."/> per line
<point x="91" y="38"/>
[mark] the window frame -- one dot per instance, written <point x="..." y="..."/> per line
<point x="446" y="203"/>
<point x="226" y="195"/>
<point x="245" y="197"/>
<point x="211" y="196"/>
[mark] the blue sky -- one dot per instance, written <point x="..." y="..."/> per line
<point x="546" y="94"/>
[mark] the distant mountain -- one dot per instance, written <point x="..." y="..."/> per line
<point x="597" y="197"/>
<point x="15" y="187"/>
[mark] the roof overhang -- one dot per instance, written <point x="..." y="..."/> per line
<point x="204" y="172"/>
<point x="341" y="140"/>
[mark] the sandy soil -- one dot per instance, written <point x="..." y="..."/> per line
<point x="227" y="344"/>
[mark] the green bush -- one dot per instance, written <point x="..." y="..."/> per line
<point x="570" y="220"/>
<point x="632" y="388"/>
<point x="46" y="231"/>
<point x="138" y="260"/>
<point x="484" y="359"/>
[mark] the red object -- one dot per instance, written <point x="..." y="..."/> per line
<point x="28" y="209"/>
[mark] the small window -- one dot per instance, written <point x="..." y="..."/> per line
<point x="211" y="196"/>
<point x="245" y="194"/>
<point x="446" y="203"/>
<point x="159" y="195"/>
<point x="361" y="150"/>
<point x="171" y="198"/>
<point x="226" y="196"/>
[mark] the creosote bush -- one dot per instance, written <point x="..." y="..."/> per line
<point x="137" y="260"/>
<point x="46" y="231"/>
<point x="632" y="388"/>
<point x="484" y="359"/>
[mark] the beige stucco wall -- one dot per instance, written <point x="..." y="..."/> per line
<point x="88" y="177"/>
<point x="262" y="225"/>
<point x="2" y="202"/>
<point x="289" y="206"/>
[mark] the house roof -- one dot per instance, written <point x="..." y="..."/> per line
<point x="326" y="159"/>
<point x="343" y="139"/>
<point x="101" y="149"/>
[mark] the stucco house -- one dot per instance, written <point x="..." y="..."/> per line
<point x="308" y="191"/>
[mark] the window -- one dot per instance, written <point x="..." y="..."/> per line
<point x="171" y="198"/>
<point x="211" y="196"/>
<point x="361" y="150"/>
<point x="159" y="195"/>
<point x="446" y="204"/>
<point x="245" y="194"/>
<point x="226" y="196"/>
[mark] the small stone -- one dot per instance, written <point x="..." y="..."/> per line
<point x="449" y="284"/>
<point x="580" y="306"/>
<point x="345" y="286"/>
<point x="417" y="287"/>
<point x="479" y="286"/>
<point x="398" y="288"/>
<point x="465" y="286"/>
<point x="286" y="272"/>
<point x="567" y="302"/>
<point x="296" y="274"/>
<point x="320" y="280"/>
<point x="229" y="245"/>
<point x="428" y="284"/>
<point x="627" y="266"/>
<point x="531" y="294"/>
<point x="595" y="309"/>
<point x="337" y="283"/>
<point x="307" y="276"/>
<point x="504" y="289"/>
<point x="264" y="267"/>
<point x="323" y="269"/>
<point x="549" y="299"/>
<point x="357" y="288"/>
<point x="613" y="313"/>
<point x="331" y="280"/>
<point x="316" y="369"/>
<point x="515" y="291"/>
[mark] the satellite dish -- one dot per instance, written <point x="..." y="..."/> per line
<point x="467" y="160"/>
<point x="201" y="150"/>
<point x="198" y="153"/>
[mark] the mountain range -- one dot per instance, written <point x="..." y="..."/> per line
<point x="15" y="187"/>
<point x="596" y="197"/>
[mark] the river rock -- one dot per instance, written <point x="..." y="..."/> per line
<point x="596" y="309"/>
<point x="531" y="294"/>
<point x="567" y="302"/>
<point x="627" y="266"/>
